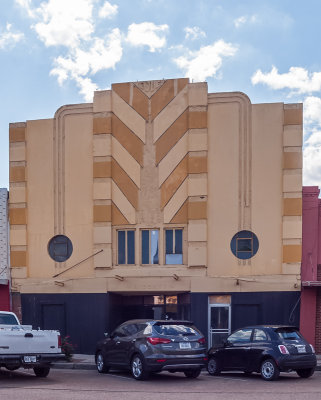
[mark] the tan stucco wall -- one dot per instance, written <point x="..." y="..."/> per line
<point x="229" y="168"/>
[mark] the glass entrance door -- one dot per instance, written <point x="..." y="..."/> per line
<point x="219" y="323"/>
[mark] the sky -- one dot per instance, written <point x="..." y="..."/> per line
<point x="57" y="52"/>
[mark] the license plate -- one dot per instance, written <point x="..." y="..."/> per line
<point x="184" y="345"/>
<point x="301" y="349"/>
<point x="30" y="359"/>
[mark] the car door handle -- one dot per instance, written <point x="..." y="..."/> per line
<point x="134" y="340"/>
<point x="117" y="342"/>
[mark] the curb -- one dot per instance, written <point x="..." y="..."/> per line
<point x="90" y="366"/>
<point x="84" y="366"/>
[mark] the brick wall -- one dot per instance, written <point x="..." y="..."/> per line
<point x="318" y="323"/>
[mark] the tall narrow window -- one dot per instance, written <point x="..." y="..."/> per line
<point x="150" y="246"/>
<point x="174" y="246"/>
<point x="126" y="247"/>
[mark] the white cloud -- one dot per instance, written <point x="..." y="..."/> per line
<point x="64" y="23"/>
<point x="70" y="26"/>
<point x="312" y="164"/>
<point x="238" y="22"/>
<point x="9" y="38"/>
<point x="26" y="4"/>
<point x="297" y="79"/>
<point x="102" y="54"/>
<point x="312" y="144"/>
<point x="147" y="34"/>
<point x="194" y="32"/>
<point x="108" y="10"/>
<point x="205" y="62"/>
<point x="312" y="110"/>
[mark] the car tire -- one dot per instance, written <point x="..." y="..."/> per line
<point x="269" y="370"/>
<point x="102" y="368"/>
<point x="192" y="373"/>
<point x="213" y="366"/>
<point x="305" y="373"/>
<point x="41" y="372"/>
<point x="138" y="368"/>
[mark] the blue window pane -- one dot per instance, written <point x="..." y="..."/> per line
<point x="174" y="259"/>
<point x="169" y="241"/>
<point x="178" y="241"/>
<point x="130" y="247"/>
<point x="154" y="247"/>
<point x="244" y="244"/>
<point x="121" y="247"/>
<point x="145" y="247"/>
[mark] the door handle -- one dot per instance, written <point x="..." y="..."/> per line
<point x="134" y="340"/>
<point x="117" y="342"/>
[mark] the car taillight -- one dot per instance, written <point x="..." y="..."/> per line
<point x="59" y="341"/>
<point x="283" y="349"/>
<point x="201" y="340"/>
<point x="157" y="340"/>
<point x="312" y="348"/>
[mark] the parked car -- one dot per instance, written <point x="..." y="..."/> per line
<point x="149" y="346"/>
<point x="266" y="349"/>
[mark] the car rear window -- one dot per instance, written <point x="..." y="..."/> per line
<point x="7" y="319"/>
<point x="175" y="330"/>
<point x="288" y="334"/>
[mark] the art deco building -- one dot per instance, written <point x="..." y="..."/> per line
<point x="157" y="200"/>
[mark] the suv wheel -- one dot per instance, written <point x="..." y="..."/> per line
<point x="192" y="374"/>
<point x="269" y="370"/>
<point x="212" y="366"/>
<point x="138" y="369"/>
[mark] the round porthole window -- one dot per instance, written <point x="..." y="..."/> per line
<point x="60" y="248"/>
<point x="244" y="245"/>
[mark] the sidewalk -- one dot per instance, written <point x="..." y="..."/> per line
<point x="87" y="361"/>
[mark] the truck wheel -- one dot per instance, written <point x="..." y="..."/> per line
<point x="41" y="372"/>
<point x="100" y="364"/>
<point x="269" y="370"/>
<point x="12" y="367"/>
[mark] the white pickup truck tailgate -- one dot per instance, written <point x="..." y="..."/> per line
<point x="20" y="341"/>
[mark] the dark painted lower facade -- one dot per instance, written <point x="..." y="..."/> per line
<point x="85" y="317"/>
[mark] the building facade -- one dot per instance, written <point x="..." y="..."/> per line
<point x="157" y="200"/>
<point x="310" y="321"/>
<point x="4" y="252"/>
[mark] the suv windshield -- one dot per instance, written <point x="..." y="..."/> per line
<point x="288" y="334"/>
<point x="175" y="330"/>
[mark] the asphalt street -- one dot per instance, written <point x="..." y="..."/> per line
<point x="89" y="384"/>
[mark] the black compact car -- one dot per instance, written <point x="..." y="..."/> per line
<point x="145" y="346"/>
<point x="266" y="349"/>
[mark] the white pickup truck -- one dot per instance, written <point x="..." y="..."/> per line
<point x="22" y="346"/>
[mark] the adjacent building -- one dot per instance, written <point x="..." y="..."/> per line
<point x="4" y="252"/>
<point x="310" y="316"/>
<point x="157" y="200"/>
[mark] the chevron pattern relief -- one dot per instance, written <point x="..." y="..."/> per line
<point x="157" y="161"/>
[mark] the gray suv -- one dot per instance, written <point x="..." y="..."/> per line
<point x="150" y="346"/>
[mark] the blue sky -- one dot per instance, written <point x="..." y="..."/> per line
<point x="56" y="52"/>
